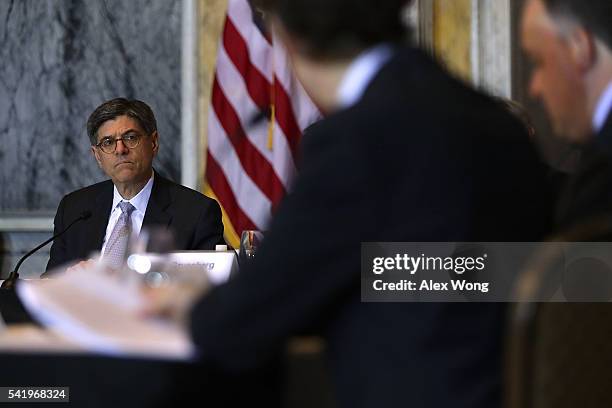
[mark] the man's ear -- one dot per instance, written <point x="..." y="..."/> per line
<point x="155" y="142"/>
<point x="582" y="49"/>
<point x="96" y="155"/>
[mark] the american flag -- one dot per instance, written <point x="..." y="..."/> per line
<point x="256" y="119"/>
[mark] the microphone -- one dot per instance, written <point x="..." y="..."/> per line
<point x="9" y="283"/>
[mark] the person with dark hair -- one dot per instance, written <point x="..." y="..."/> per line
<point x="406" y="154"/>
<point x="570" y="42"/>
<point x="124" y="141"/>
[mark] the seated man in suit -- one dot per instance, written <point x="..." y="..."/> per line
<point x="570" y="42"/>
<point x="124" y="141"/>
<point x="406" y="154"/>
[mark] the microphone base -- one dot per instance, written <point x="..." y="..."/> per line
<point x="9" y="283"/>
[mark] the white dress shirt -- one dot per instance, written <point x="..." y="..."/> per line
<point x="603" y="109"/>
<point x="361" y="72"/>
<point x="139" y="201"/>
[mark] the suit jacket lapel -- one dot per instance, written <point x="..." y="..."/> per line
<point x="158" y="207"/>
<point x="102" y="209"/>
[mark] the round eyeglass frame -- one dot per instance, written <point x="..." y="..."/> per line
<point x="125" y="139"/>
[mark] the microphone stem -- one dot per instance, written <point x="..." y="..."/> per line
<point x="15" y="271"/>
<point x="15" y="274"/>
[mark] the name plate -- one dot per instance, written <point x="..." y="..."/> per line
<point x="217" y="265"/>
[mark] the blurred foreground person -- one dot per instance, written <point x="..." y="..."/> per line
<point x="407" y="153"/>
<point x="570" y="42"/>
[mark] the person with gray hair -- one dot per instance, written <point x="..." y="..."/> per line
<point x="124" y="140"/>
<point x="570" y="43"/>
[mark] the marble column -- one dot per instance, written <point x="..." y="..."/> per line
<point x="452" y="27"/>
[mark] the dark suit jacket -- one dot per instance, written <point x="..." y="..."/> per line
<point x="419" y="158"/>
<point x="194" y="219"/>
<point x="588" y="193"/>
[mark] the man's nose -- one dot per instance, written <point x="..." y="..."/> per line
<point x="121" y="148"/>
<point x="534" y="86"/>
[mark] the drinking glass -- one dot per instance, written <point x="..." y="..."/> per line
<point x="250" y="240"/>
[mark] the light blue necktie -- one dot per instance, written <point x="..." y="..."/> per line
<point x="116" y="248"/>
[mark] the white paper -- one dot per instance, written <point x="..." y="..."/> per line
<point x="100" y="313"/>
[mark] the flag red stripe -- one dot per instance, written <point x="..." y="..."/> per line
<point x="236" y="48"/>
<point x="286" y="117"/>
<point x="254" y="163"/>
<point x="259" y="87"/>
<point x="218" y="183"/>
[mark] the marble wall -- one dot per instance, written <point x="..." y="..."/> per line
<point x="59" y="59"/>
<point x="14" y="244"/>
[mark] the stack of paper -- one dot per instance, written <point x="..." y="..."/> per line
<point x="101" y="314"/>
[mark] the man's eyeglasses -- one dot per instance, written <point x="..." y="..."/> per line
<point x="109" y="144"/>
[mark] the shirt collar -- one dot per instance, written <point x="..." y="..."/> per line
<point x="361" y="72"/>
<point x="603" y="109"/>
<point x="140" y="200"/>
